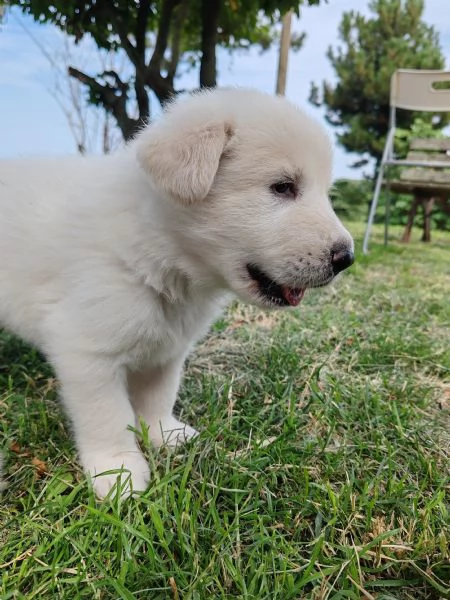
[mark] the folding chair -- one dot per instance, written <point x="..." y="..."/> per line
<point x="411" y="90"/>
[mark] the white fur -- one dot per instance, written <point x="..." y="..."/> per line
<point x="114" y="266"/>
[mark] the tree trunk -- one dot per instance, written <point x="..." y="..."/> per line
<point x="210" y="23"/>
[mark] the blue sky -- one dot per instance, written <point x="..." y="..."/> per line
<point x="32" y="122"/>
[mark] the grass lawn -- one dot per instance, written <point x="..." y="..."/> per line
<point x="321" y="471"/>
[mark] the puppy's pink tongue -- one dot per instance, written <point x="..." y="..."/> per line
<point x="292" y="295"/>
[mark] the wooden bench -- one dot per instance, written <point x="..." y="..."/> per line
<point x="428" y="185"/>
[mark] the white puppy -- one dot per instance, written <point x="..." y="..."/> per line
<point x="114" y="266"/>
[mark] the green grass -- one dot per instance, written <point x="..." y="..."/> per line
<point x="321" y="471"/>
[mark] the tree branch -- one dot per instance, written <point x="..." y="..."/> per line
<point x="127" y="45"/>
<point x="163" y="35"/>
<point x="120" y="85"/>
<point x="179" y="20"/>
<point x="136" y="54"/>
<point x="161" y="86"/>
<point x="113" y="98"/>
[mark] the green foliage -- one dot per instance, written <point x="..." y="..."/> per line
<point x="351" y="199"/>
<point x="401" y="203"/>
<point x="372" y="49"/>
<point x="420" y="129"/>
<point x="399" y="207"/>
<point x="104" y="19"/>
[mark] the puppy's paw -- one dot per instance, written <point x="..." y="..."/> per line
<point x="121" y="473"/>
<point x="169" y="431"/>
<point x="179" y="434"/>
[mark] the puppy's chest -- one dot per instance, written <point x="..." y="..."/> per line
<point x="173" y="331"/>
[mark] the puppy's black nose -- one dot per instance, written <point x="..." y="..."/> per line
<point x="341" y="259"/>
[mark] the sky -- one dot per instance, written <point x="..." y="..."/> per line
<point x="33" y="123"/>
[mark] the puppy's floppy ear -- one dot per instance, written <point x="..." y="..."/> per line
<point x="183" y="161"/>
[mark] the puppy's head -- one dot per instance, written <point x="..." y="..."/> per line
<point x="250" y="174"/>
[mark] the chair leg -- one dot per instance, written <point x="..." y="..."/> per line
<point x="412" y="213"/>
<point x="387" y="214"/>
<point x="428" y="204"/>
<point x="373" y="208"/>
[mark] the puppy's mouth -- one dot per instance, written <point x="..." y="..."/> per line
<point x="275" y="293"/>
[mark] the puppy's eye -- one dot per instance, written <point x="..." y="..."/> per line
<point x="287" y="189"/>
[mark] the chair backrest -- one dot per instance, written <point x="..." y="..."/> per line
<point x="416" y="90"/>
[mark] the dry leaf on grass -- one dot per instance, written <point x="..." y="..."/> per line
<point x="41" y="466"/>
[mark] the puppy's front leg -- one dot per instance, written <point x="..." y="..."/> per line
<point x="94" y="392"/>
<point x="153" y="393"/>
